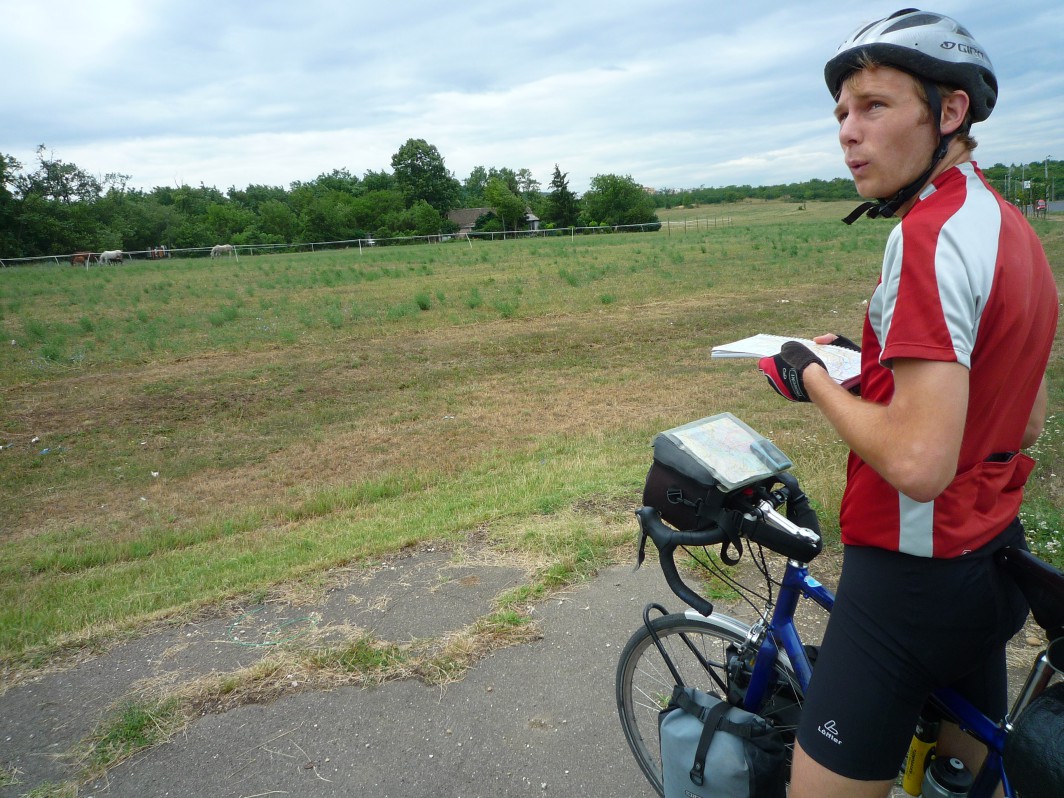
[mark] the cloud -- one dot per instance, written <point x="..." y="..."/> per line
<point x="680" y="93"/>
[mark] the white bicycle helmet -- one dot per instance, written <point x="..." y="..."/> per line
<point x="936" y="50"/>
<point x="930" y="46"/>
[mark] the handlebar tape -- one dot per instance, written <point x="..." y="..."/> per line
<point x="666" y="540"/>
<point x="799" y="511"/>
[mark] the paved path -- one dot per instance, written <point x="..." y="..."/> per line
<point x="536" y="719"/>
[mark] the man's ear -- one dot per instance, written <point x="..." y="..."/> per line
<point x="954" y="110"/>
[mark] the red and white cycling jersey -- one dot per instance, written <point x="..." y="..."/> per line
<point x="964" y="279"/>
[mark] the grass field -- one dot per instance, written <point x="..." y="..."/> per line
<point x="182" y="433"/>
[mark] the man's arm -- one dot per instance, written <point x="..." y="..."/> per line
<point x="914" y="442"/>
<point x="1038" y="416"/>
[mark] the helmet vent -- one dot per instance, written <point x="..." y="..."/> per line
<point x="915" y="21"/>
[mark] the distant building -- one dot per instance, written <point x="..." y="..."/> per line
<point x="466" y="219"/>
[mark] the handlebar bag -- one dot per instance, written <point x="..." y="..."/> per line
<point x="698" y="464"/>
<point x="710" y="749"/>
<point x="1034" y="749"/>
<point x="681" y="488"/>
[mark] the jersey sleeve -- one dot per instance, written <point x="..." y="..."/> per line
<point x="937" y="274"/>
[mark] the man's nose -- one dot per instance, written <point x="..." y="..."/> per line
<point x="849" y="130"/>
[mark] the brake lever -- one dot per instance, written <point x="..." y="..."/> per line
<point x="642" y="550"/>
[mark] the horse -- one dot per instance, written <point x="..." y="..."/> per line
<point x="110" y="256"/>
<point x="82" y="259"/>
<point x="223" y="249"/>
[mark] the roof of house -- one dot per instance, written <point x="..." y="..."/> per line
<point x="466" y="217"/>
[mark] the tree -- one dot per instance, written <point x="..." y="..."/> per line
<point x="562" y="209"/>
<point x="277" y="222"/>
<point x="227" y="220"/>
<point x="427" y="220"/>
<point x="509" y="207"/>
<point x="330" y="217"/>
<point x="339" y="180"/>
<point x="57" y="181"/>
<point x="378" y="181"/>
<point x="473" y="187"/>
<point x="56" y="207"/>
<point x="616" y="200"/>
<point x="256" y="195"/>
<point x="9" y="169"/>
<point x="374" y="206"/>
<point x="527" y="185"/>
<point x="421" y="174"/>
<point x="508" y="176"/>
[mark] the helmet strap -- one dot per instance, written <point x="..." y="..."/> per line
<point x="888" y="206"/>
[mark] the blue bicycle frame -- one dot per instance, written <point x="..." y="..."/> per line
<point x="780" y="630"/>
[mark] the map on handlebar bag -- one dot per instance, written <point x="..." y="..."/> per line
<point x="844" y="365"/>
<point x="734" y="453"/>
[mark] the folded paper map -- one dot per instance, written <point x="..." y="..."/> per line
<point x="843" y="364"/>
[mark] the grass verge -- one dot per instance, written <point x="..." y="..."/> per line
<point x="175" y="437"/>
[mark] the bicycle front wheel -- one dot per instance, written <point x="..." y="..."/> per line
<point x="709" y="654"/>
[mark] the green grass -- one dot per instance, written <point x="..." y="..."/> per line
<point x="132" y="728"/>
<point x="178" y="435"/>
<point x="362" y="656"/>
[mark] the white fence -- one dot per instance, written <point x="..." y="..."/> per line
<point x="362" y="244"/>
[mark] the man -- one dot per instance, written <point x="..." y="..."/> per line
<point x="954" y="351"/>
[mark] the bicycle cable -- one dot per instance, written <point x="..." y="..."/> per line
<point x="745" y="592"/>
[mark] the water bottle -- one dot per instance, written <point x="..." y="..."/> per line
<point x="921" y="749"/>
<point x="947" y="778"/>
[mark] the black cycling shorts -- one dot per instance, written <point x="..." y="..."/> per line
<point x="901" y="627"/>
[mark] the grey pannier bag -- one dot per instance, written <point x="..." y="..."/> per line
<point x="710" y="749"/>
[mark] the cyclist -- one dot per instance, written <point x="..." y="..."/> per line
<point x="954" y="351"/>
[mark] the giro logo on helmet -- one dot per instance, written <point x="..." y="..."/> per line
<point x="967" y="49"/>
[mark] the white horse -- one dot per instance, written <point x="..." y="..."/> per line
<point x="223" y="249"/>
<point x="110" y="256"/>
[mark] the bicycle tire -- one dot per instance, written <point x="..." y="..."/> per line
<point x="644" y="683"/>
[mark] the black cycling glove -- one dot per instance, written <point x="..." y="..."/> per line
<point x="845" y="343"/>
<point x="784" y="371"/>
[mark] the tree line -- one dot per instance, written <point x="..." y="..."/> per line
<point x="56" y="207"/>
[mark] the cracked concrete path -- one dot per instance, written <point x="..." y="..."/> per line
<point x="424" y="595"/>
<point x="535" y="719"/>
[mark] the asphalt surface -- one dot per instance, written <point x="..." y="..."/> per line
<point x="536" y="719"/>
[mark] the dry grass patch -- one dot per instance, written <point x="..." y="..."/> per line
<point x="321" y="427"/>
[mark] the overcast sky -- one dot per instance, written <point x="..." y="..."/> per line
<point x="674" y="93"/>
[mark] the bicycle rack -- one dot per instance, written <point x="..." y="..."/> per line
<point x="677" y="679"/>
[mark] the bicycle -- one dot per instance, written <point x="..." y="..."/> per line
<point x="765" y="667"/>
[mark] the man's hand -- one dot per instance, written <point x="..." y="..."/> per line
<point x="784" y="371"/>
<point x="844" y="342"/>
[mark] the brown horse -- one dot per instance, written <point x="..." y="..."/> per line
<point x="83" y="259"/>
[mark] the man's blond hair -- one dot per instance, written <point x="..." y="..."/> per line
<point x="963" y="133"/>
